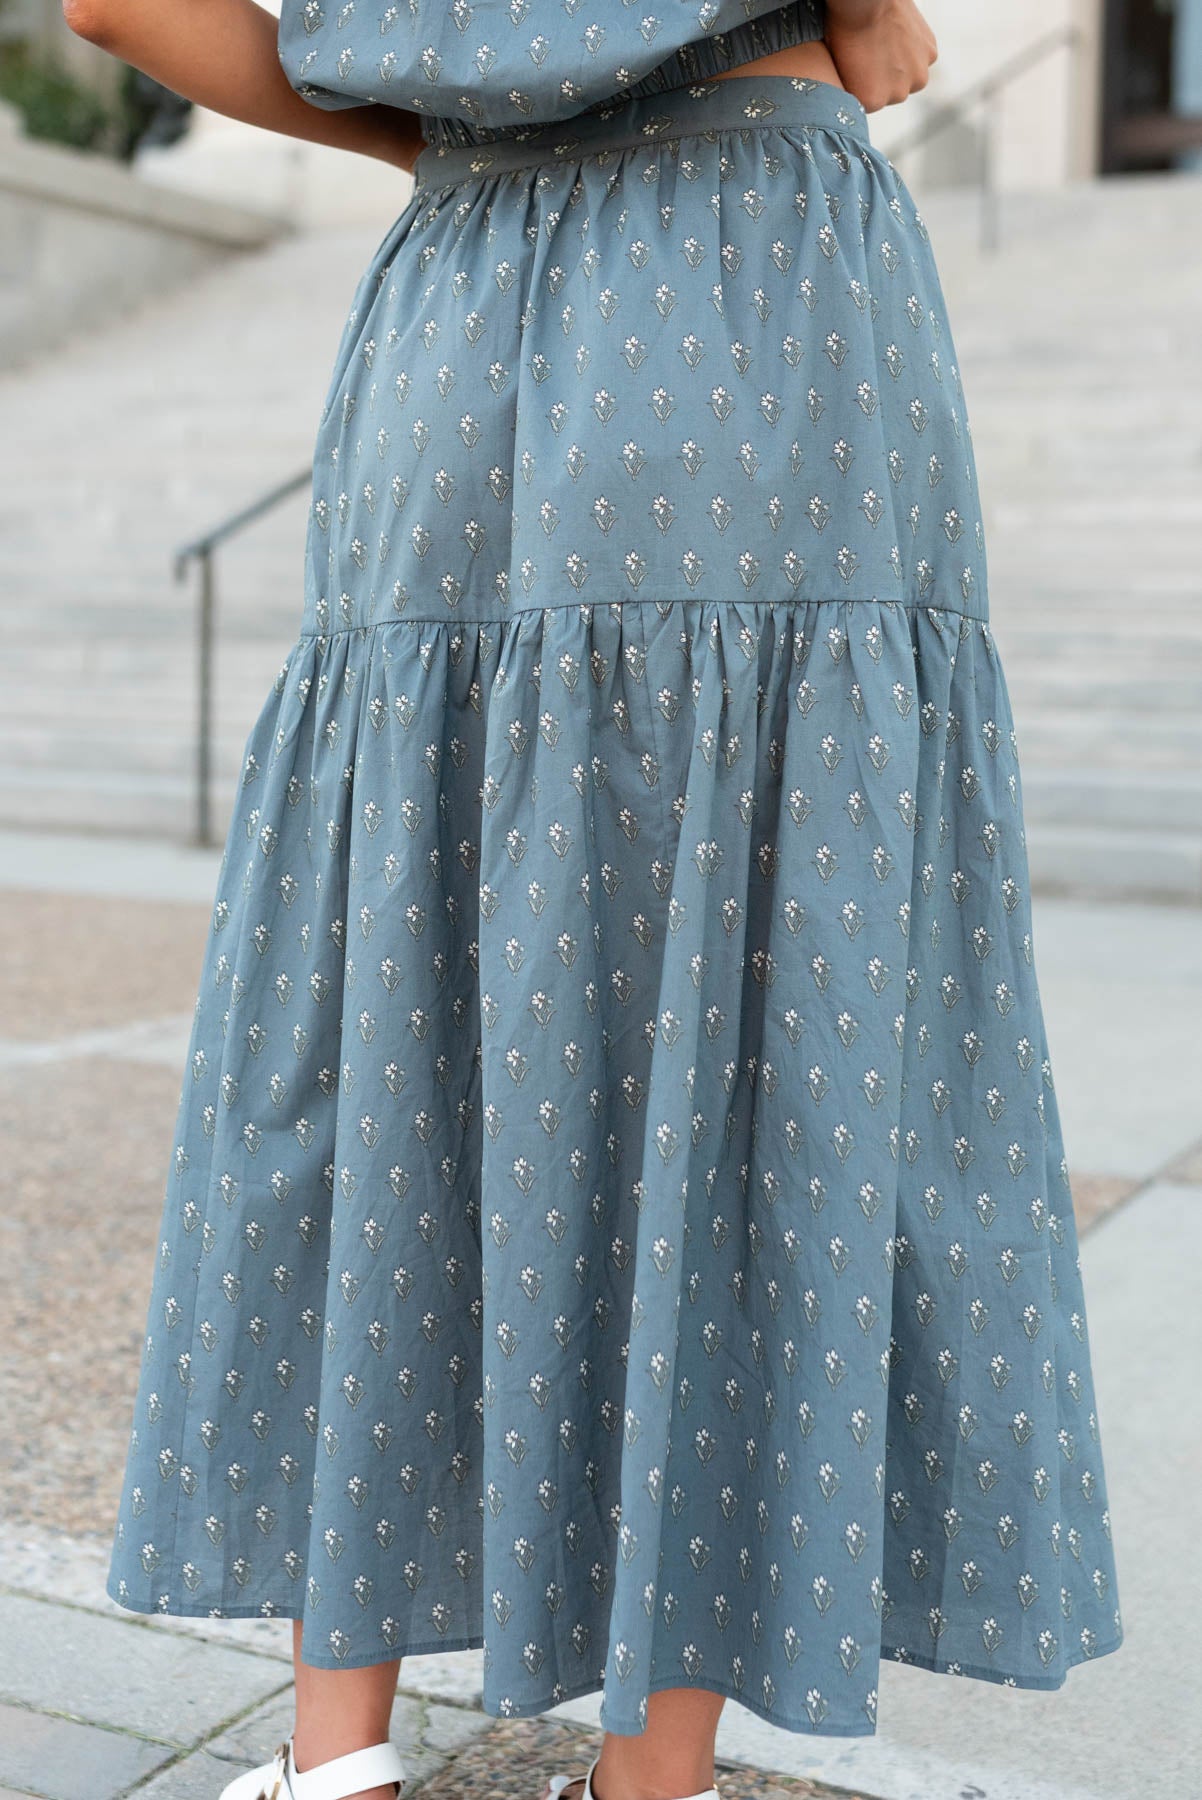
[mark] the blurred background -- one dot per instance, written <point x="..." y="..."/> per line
<point x="172" y="290"/>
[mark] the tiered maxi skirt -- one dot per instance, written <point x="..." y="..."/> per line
<point x="618" y="1213"/>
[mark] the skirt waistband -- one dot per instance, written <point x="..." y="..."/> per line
<point x="732" y="103"/>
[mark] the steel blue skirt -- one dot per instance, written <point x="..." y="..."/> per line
<point x="618" y="1213"/>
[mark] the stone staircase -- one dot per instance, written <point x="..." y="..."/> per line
<point x="1082" y="362"/>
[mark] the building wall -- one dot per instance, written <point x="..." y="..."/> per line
<point x="83" y="239"/>
<point x="1047" y="120"/>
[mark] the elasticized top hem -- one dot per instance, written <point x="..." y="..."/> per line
<point x="801" y="22"/>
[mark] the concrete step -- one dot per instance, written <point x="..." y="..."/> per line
<point x="1160" y="801"/>
<point x="1170" y="689"/>
<point x="1097" y="862"/>
<point x="106" y="801"/>
<point x="130" y="754"/>
<point x="1108" y="742"/>
<point x="1144" y="633"/>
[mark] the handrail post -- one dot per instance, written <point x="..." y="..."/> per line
<point x="204" y="697"/>
<point x="989" y="90"/>
<point x="202" y="550"/>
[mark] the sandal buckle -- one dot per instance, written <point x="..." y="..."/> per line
<point x="280" y="1771"/>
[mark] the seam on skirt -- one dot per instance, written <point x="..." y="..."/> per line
<point x="532" y="612"/>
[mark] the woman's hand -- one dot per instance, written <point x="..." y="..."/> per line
<point x="883" y="49"/>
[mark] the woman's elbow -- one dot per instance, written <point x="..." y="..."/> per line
<point x="92" y="19"/>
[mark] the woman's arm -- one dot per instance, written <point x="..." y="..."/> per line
<point x="883" y="49"/>
<point x="856" y="12"/>
<point x="222" y="54"/>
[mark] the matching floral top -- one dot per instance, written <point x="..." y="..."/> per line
<point x="508" y="63"/>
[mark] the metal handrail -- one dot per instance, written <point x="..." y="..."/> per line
<point x="987" y="90"/>
<point x="201" y="550"/>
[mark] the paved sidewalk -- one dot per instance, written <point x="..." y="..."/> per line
<point x="95" y="1704"/>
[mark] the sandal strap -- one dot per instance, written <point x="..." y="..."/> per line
<point x="559" y="1783"/>
<point x="274" y="1782"/>
<point x="378" y="1766"/>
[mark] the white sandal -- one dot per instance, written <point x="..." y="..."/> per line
<point x="333" y="1780"/>
<point x="560" y="1783"/>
